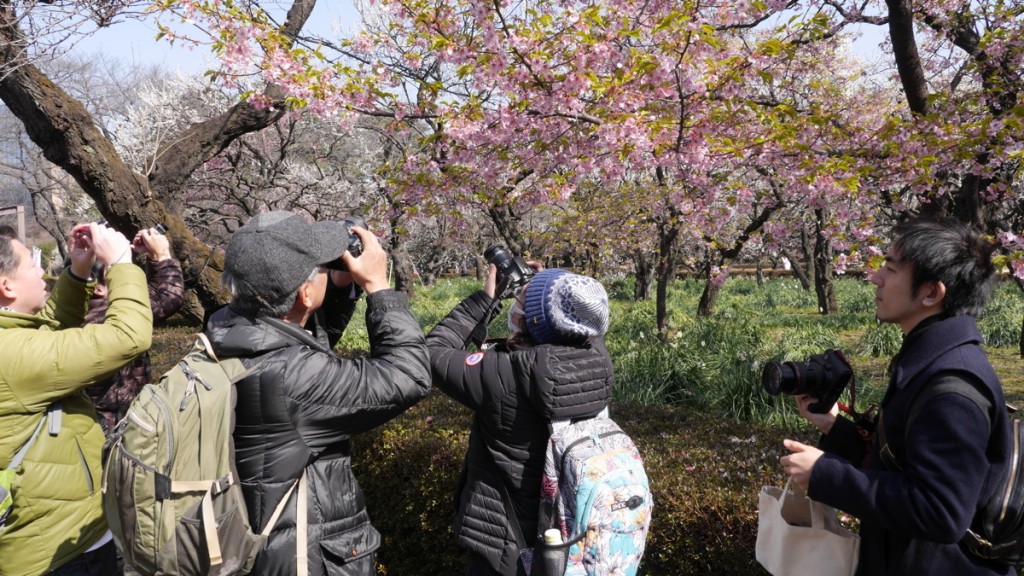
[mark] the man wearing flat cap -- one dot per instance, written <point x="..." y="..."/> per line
<point x="299" y="403"/>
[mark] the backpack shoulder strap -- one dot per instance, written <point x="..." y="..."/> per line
<point x="950" y="383"/>
<point x="945" y="383"/>
<point x="233" y="367"/>
<point x="53" y="413"/>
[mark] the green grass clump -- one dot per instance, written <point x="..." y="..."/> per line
<point x="1000" y="324"/>
<point x="881" y="340"/>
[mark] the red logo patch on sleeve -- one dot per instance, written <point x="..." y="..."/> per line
<point x="474" y="358"/>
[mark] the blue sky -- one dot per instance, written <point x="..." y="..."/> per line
<point x="134" y="42"/>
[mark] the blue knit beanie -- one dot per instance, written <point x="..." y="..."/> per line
<point x="562" y="308"/>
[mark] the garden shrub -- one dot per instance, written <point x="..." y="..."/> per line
<point x="799" y="344"/>
<point x="621" y="288"/>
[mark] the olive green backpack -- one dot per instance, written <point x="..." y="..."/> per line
<point x="170" y="487"/>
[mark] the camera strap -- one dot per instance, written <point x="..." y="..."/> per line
<point x="479" y="334"/>
<point x="852" y="408"/>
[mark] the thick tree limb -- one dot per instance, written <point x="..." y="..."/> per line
<point x="67" y="134"/>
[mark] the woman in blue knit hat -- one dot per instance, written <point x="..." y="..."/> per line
<point x="553" y="366"/>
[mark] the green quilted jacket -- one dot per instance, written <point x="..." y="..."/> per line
<point x="47" y="357"/>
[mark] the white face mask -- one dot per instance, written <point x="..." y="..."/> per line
<point x="515" y="317"/>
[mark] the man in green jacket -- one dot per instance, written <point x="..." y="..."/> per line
<point x="56" y="522"/>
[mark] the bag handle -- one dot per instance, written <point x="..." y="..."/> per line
<point x="561" y="424"/>
<point x="817" y="514"/>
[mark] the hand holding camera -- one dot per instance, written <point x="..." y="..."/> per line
<point x="511" y="272"/>
<point x="355" y="243"/>
<point x="97" y="242"/>
<point x="153" y="243"/>
<point x="369" y="267"/>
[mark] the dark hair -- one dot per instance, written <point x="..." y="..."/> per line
<point x="8" y="232"/>
<point x="948" y="251"/>
<point x="9" y="260"/>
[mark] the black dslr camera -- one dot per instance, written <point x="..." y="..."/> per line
<point x="355" y="244"/>
<point x="823" y="376"/>
<point x="513" y="271"/>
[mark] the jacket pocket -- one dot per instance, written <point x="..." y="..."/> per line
<point x="351" y="551"/>
<point x="90" y="483"/>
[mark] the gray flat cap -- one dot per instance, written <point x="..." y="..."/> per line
<point x="274" y="253"/>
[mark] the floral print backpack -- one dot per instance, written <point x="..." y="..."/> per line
<point x="596" y="493"/>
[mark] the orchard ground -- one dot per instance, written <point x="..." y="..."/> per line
<point x="694" y="405"/>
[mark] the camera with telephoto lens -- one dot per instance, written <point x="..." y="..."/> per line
<point x="355" y="244"/>
<point x="822" y="376"/>
<point x="513" y="271"/>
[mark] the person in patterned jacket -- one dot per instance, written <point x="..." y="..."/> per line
<point x="113" y="395"/>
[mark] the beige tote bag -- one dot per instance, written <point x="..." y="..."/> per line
<point x="797" y="536"/>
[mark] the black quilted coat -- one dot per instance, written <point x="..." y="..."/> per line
<point x="514" y="395"/>
<point x="297" y="411"/>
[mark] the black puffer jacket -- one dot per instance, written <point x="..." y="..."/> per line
<point x="298" y="409"/>
<point x="514" y="394"/>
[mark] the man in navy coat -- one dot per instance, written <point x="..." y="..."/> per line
<point x="943" y="458"/>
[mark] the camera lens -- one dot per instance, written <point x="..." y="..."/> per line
<point x="160" y="229"/>
<point x="497" y="254"/>
<point x="778" y="378"/>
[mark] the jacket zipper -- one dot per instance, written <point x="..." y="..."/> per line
<point x="1013" y="470"/>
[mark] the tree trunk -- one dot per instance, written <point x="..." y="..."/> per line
<point x="823" y="285"/>
<point x="808" y="259"/>
<point x="760" y="273"/>
<point x="904" y="50"/>
<point x="709" y="297"/>
<point x="667" y="234"/>
<point x="69" y="137"/>
<point x="404" y="270"/>
<point x="644" y="275"/>
<point x="797" y="268"/>
<point x="507" y="223"/>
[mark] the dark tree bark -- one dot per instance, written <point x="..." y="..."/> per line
<point x="824" y="287"/>
<point x="405" y="272"/>
<point x="507" y="223"/>
<point x="796" y="266"/>
<point x="68" y="136"/>
<point x="709" y="296"/>
<point x="664" y="273"/>
<point x="908" y="61"/>
<point x="808" y="260"/>
<point x="644" y="272"/>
